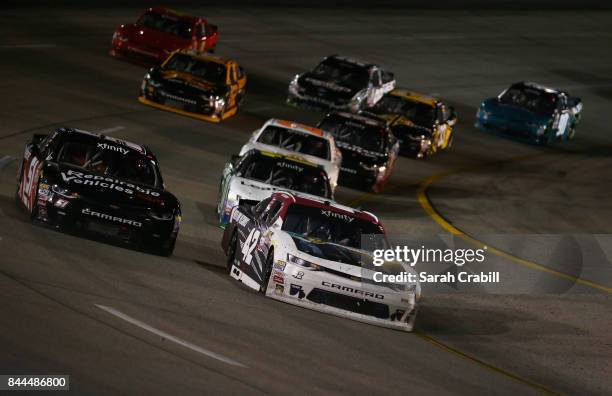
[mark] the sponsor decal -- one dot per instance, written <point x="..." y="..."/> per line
<point x="353" y="290"/>
<point x="106" y="146"/>
<point x="115" y="219"/>
<point x="296" y="290"/>
<point x="299" y="275"/>
<point x="278" y="277"/>
<point x="88" y="179"/>
<point x="279" y="289"/>
<point x="290" y="166"/>
<point x="328" y="85"/>
<point x="279" y="265"/>
<point x="335" y="215"/>
<point x="239" y="218"/>
<point x="358" y="149"/>
<point x="348" y="170"/>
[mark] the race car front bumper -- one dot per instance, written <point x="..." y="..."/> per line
<point x="316" y="103"/>
<point x="204" y="117"/>
<point x="337" y="295"/>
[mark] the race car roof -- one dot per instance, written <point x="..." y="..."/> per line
<point x="415" y="96"/>
<point x="537" y="86"/>
<point x="322" y="203"/>
<point x="354" y="61"/>
<point x="205" y="56"/>
<point x="297" y="126"/>
<point x="101" y="137"/>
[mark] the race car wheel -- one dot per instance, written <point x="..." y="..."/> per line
<point x="167" y="248"/>
<point x="267" y="273"/>
<point x="231" y="252"/>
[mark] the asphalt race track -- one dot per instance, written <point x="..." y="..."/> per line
<point x="123" y="321"/>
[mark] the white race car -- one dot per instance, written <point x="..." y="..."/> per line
<point x="291" y="138"/>
<point x="257" y="174"/>
<point x="309" y="252"/>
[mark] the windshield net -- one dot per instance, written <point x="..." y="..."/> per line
<point x="110" y="160"/>
<point x="537" y="101"/>
<point x="295" y="141"/>
<point x="285" y="173"/>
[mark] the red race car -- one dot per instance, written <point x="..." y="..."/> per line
<point x="158" y="32"/>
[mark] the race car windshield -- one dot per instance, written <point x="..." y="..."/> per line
<point x="111" y="160"/>
<point x="166" y="24"/>
<point x="207" y="70"/>
<point x="366" y="136"/>
<point x="284" y="173"/>
<point x="534" y="100"/>
<point x="420" y="113"/>
<point x="295" y="141"/>
<point x="324" y="225"/>
<point x="342" y="73"/>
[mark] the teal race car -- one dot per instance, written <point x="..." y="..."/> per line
<point x="531" y="112"/>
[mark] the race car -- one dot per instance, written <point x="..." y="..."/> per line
<point x="531" y="112"/>
<point x="369" y="149"/>
<point x="205" y="87"/>
<point x="291" y="138"/>
<point x="422" y="124"/>
<point x="309" y="252"/>
<point x="340" y="83"/>
<point x="257" y="174"/>
<point x="78" y="181"/>
<point x="160" y="31"/>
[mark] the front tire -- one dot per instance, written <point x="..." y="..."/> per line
<point x="167" y="248"/>
<point x="231" y="252"/>
<point x="268" y="272"/>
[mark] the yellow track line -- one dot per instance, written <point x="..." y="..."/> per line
<point x="425" y="203"/>
<point x="489" y="366"/>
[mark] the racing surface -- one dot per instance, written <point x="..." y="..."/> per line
<point x="111" y="316"/>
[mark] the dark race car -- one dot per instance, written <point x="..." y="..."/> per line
<point x="531" y="112"/>
<point x="340" y="83"/>
<point x="369" y="149"/>
<point x="75" y="180"/>
<point x="160" y="31"/>
<point x="205" y="87"/>
<point x="422" y="124"/>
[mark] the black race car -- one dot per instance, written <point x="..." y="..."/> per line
<point x="340" y="83"/>
<point x="369" y="149"/>
<point x="78" y="180"/>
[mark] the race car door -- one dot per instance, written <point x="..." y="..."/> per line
<point x="253" y="254"/>
<point x="562" y="118"/>
<point x="237" y="83"/>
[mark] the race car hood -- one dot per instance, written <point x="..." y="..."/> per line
<point x="512" y="113"/>
<point x="111" y="190"/>
<point x="325" y="87"/>
<point x="352" y="154"/>
<point x="153" y="39"/>
<point x="328" y="251"/>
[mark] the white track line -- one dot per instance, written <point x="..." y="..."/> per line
<point x="110" y="130"/>
<point x="170" y="337"/>
<point x="4" y="161"/>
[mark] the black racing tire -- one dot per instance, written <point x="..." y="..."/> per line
<point x="268" y="272"/>
<point x="231" y="252"/>
<point x="167" y="247"/>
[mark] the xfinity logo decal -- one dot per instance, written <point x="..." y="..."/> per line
<point x="87" y="179"/>
<point x="290" y="166"/>
<point x="106" y="146"/>
<point x="353" y="290"/>
<point x="336" y="215"/>
<point x="116" y="219"/>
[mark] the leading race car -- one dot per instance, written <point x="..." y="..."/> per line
<point x="369" y="149"/>
<point x="257" y="174"/>
<point x="160" y="31"/>
<point x="291" y="138"/>
<point x="205" y="87"/>
<point x="309" y="252"/>
<point x="340" y="83"/>
<point x="75" y="180"/>
<point x="422" y="124"/>
<point x="531" y="112"/>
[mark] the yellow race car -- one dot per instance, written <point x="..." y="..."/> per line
<point x="422" y="124"/>
<point x="195" y="84"/>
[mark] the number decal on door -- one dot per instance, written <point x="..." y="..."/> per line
<point x="563" y="121"/>
<point x="249" y="246"/>
<point x="30" y="179"/>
